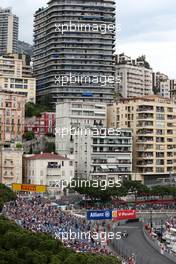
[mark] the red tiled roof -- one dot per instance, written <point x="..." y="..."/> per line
<point x="47" y="156"/>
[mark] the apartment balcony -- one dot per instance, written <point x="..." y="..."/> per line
<point x="118" y="162"/>
<point x="151" y="149"/>
<point x="160" y="164"/>
<point x="143" y="165"/>
<point x="145" y="156"/>
<point x="171" y="117"/>
<point x="170" y="147"/>
<point x="100" y="161"/>
<point x="170" y="110"/>
<point x="170" y="156"/>
<point x="160" y="109"/>
<point x="111" y="171"/>
<point x="106" y="144"/>
<point x="144" y="162"/>
<point x="8" y="166"/>
<point x="160" y="133"/>
<point x="53" y="169"/>
<point x="159" y="156"/>
<point x="171" y="162"/>
<point x="143" y="116"/>
<point x="148" y="140"/>
<point x="9" y="176"/>
<point x="112" y="151"/>
<point x="145" y="171"/>
<point x="53" y="173"/>
<point x="53" y="166"/>
<point x="145" y="124"/>
<point x="171" y="125"/>
<point x="145" y="132"/>
<point x="170" y="133"/>
<point x="145" y="109"/>
<point x="160" y="140"/>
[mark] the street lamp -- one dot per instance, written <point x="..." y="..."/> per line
<point x="161" y="229"/>
<point x="151" y="218"/>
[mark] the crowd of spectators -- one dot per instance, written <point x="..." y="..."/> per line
<point x="38" y="215"/>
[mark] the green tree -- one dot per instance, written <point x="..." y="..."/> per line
<point x="55" y="260"/>
<point x="136" y="188"/>
<point x="163" y="190"/>
<point x="29" y="135"/>
<point x="99" y="190"/>
<point x="50" y="147"/>
<point x="32" y="109"/>
<point x="6" y="195"/>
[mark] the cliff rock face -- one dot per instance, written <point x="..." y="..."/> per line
<point x="25" y="48"/>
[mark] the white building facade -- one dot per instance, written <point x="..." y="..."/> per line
<point x="111" y="155"/>
<point x="53" y="170"/>
<point x="74" y="123"/>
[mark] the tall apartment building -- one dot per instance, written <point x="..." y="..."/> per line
<point x="81" y="55"/>
<point x="12" y="114"/>
<point x="161" y="84"/>
<point x="16" y="76"/>
<point x="74" y="123"/>
<point x="135" y="76"/>
<point x="81" y="130"/>
<point x="8" y="32"/>
<point x="11" y="165"/>
<point x="152" y="120"/>
<point x="111" y="155"/>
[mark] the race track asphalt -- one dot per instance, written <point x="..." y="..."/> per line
<point x="137" y="244"/>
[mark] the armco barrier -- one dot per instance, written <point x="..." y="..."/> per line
<point x="155" y="245"/>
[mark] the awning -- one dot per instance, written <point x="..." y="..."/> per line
<point x="104" y="167"/>
<point x="112" y="167"/>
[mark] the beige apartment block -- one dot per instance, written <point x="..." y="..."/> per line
<point x="16" y="76"/>
<point x="153" y="122"/>
<point x="135" y="76"/>
<point x="12" y="115"/>
<point x="11" y="164"/>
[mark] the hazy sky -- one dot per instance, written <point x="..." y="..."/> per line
<point x="148" y="27"/>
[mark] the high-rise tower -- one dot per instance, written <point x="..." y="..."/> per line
<point x="73" y="50"/>
<point x="8" y="32"/>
